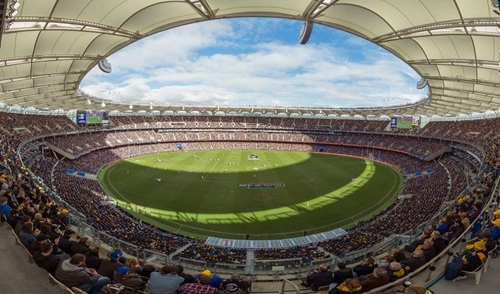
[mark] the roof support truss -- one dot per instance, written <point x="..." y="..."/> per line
<point x="46" y="23"/>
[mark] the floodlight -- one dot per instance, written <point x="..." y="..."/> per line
<point x="15" y="5"/>
<point x="306" y="31"/>
<point x="104" y="65"/>
<point x="422" y="83"/>
<point x="103" y="104"/>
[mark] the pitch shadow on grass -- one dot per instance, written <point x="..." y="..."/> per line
<point x="215" y="203"/>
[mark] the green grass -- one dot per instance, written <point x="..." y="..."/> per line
<point x="199" y="193"/>
<point x="94" y="119"/>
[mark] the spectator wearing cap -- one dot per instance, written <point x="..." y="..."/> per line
<point x="126" y="277"/>
<point x="108" y="266"/>
<point x="495" y="229"/>
<point x="72" y="273"/>
<point x="203" y="286"/>
<point x="216" y="282"/>
<point x="487" y="236"/>
<point x="496" y="213"/>
<point x="472" y="260"/>
<point x="166" y="281"/>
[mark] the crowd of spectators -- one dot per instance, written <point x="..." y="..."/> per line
<point x="427" y="193"/>
<point x="359" y="237"/>
<point x="212" y="255"/>
<point x="78" y="144"/>
<point x="180" y="121"/>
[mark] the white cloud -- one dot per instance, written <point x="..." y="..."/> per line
<point x="209" y="64"/>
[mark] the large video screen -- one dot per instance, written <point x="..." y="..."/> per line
<point x="405" y="122"/>
<point x="91" y="117"/>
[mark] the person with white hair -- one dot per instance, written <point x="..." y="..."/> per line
<point x="377" y="279"/>
<point x="416" y="260"/>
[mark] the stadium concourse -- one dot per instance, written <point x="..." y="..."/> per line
<point x="443" y="206"/>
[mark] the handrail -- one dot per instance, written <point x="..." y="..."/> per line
<point x="359" y="253"/>
<point x="445" y="251"/>
<point x="286" y="281"/>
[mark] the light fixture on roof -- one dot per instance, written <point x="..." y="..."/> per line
<point x="151" y="105"/>
<point x="422" y="83"/>
<point x="103" y="104"/>
<point x="89" y="102"/>
<point x="494" y="4"/>
<point x="15" y="5"/>
<point x="131" y="106"/>
<point x="306" y="31"/>
<point x="104" y="65"/>
<point x="9" y="25"/>
<point x="498" y="68"/>
<point x="12" y="10"/>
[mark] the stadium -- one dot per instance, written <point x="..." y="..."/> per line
<point x="265" y="192"/>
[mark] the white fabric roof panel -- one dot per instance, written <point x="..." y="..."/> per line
<point x="103" y="43"/>
<point x="278" y="8"/>
<point x="159" y="15"/>
<point x="475" y="9"/>
<point x="486" y="47"/>
<point x="356" y="18"/>
<point x="61" y="42"/>
<point x="50" y="45"/>
<point x="407" y="49"/>
<point x="18" y="44"/>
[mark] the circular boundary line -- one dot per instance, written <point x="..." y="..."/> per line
<point x="383" y="199"/>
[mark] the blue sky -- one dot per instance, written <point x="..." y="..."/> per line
<point x="255" y="61"/>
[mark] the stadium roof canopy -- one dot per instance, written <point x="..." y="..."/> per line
<point x="48" y="46"/>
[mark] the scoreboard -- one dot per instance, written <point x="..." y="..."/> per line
<point x="405" y="122"/>
<point x="91" y="117"/>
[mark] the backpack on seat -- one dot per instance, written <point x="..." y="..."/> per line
<point x="453" y="269"/>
